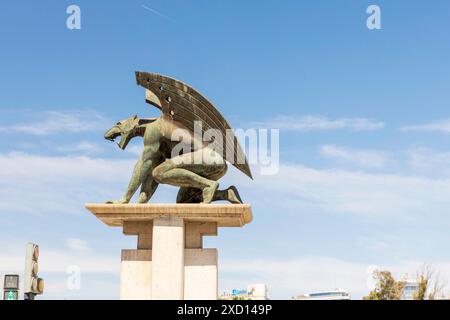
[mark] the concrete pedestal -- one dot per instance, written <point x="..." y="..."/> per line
<point x="170" y="262"/>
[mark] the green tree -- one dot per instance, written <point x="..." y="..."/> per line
<point x="386" y="288"/>
<point x="431" y="286"/>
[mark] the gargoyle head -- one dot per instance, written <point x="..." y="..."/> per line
<point x="126" y="129"/>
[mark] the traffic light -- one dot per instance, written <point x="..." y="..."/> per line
<point x="11" y="287"/>
<point x="33" y="285"/>
<point x="10" y="295"/>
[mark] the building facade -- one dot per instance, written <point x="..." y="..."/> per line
<point x="253" y="292"/>
<point x="337" y="294"/>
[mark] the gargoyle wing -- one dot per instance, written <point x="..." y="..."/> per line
<point x="186" y="105"/>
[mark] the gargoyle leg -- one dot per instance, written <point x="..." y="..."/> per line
<point x="192" y="195"/>
<point x="230" y="194"/>
<point x="184" y="171"/>
<point x="148" y="188"/>
<point x="185" y="178"/>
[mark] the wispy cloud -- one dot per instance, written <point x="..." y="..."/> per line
<point x="317" y="122"/>
<point x="99" y="272"/>
<point x="300" y="188"/>
<point x="157" y="13"/>
<point x="287" y="278"/>
<point x="83" y="147"/>
<point x="60" y="185"/>
<point x="53" y="122"/>
<point x="442" y="126"/>
<point x="134" y="150"/>
<point x="75" y="180"/>
<point x="58" y="259"/>
<point x="429" y="162"/>
<point x="77" y="245"/>
<point x="363" y="158"/>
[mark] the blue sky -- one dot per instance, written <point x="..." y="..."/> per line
<point x="363" y="115"/>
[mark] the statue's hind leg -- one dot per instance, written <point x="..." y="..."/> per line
<point x="187" y="172"/>
<point x="230" y="194"/>
<point x="189" y="195"/>
<point x="198" y="181"/>
<point x="192" y="195"/>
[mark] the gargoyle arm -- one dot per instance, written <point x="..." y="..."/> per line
<point x="135" y="181"/>
<point x="142" y="175"/>
<point x="132" y="186"/>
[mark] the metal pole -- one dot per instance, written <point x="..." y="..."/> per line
<point x="28" y="296"/>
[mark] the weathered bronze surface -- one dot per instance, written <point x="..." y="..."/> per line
<point x="185" y="105"/>
<point x="182" y="109"/>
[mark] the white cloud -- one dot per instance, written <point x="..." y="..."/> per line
<point x="58" y="260"/>
<point x="89" y="262"/>
<point x="77" y="245"/>
<point x="317" y="122"/>
<point x="287" y="278"/>
<point x="134" y="150"/>
<point x="442" y="126"/>
<point x="284" y="277"/>
<point x="429" y="162"/>
<point x="31" y="184"/>
<point x="62" y="184"/>
<point x="98" y="271"/>
<point x="83" y="146"/>
<point x="363" y="158"/>
<point x="43" y="185"/>
<point x="298" y="188"/>
<point x="52" y="122"/>
<point x="34" y="184"/>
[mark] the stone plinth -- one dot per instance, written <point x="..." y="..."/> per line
<point x="170" y="261"/>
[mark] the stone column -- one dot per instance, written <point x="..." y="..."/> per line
<point x="168" y="259"/>
<point x="136" y="275"/>
<point x="200" y="265"/>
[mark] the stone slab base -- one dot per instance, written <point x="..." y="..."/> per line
<point x="170" y="262"/>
